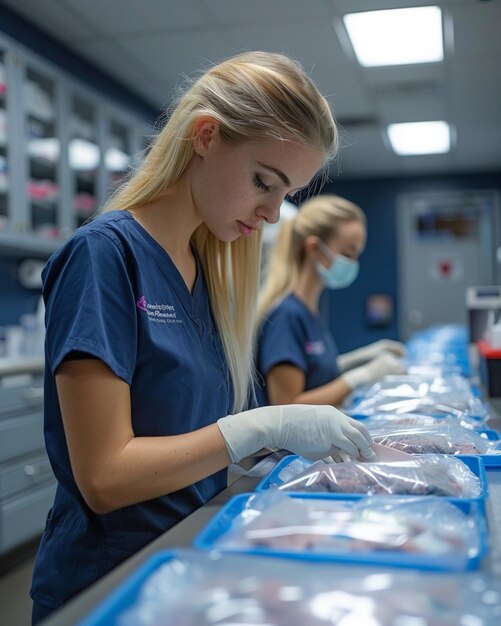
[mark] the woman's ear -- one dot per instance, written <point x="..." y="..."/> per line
<point x="311" y="245"/>
<point x="206" y="130"/>
<point x="314" y="248"/>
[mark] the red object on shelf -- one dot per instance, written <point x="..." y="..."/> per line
<point x="487" y="351"/>
<point x="490" y="368"/>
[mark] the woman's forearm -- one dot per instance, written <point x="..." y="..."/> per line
<point x="150" y="467"/>
<point x="332" y="393"/>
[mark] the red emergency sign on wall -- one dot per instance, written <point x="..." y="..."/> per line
<point x="446" y="267"/>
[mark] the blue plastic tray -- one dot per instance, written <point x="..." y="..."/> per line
<point x="223" y="520"/>
<point x="475" y="464"/>
<point x="489" y="460"/>
<point x="108" y="612"/>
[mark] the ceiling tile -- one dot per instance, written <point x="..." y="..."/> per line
<point x="122" y="17"/>
<point x="262" y="11"/>
<point x="52" y="17"/>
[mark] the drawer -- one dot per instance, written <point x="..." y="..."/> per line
<point x="20" y="400"/>
<point x="23" y="517"/>
<point x="20" y="435"/>
<point x="24" y="474"/>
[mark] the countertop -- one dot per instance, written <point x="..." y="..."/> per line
<point x="182" y="535"/>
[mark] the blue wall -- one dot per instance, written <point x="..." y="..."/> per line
<point x="345" y="309"/>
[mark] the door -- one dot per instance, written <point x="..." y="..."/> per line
<point x="447" y="242"/>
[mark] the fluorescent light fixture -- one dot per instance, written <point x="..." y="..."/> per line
<point x="116" y="160"/>
<point x="420" y="137"/>
<point x="396" y="36"/>
<point x="83" y="155"/>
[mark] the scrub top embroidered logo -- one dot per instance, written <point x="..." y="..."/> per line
<point x="158" y="313"/>
<point x="314" y="347"/>
<point x="141" y="303"/>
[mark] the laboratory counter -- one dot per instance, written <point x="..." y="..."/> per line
<point x="182" y="535"/>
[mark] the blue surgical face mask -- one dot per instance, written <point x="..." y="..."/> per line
<point x="341" y="273"/>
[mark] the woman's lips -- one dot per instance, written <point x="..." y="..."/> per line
<point x="245" y="230"/>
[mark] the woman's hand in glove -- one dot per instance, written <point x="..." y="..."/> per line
<point x="312" y="431"/>
<point x="381" y="366"/>
<point x="367" y="353"/>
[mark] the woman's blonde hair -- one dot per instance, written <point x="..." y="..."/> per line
<point x="321" y="217"/>
<point x="254" y="95"/>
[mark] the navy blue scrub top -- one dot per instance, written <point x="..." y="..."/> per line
<point x="293" y="334"/>
<point x="113" y="292"/>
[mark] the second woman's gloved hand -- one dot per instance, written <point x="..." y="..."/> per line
<point x="312" y="431"/>
<point x="361" y="355"/>
<point x="381" y="366"/>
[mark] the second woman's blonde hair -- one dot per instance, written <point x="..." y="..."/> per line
<point x="254" y="95"/>
<point x="321" y="217"/>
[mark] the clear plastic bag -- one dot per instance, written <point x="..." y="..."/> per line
<point x="436" y="397"/>
<point x="376" y="420"/>
<point x="425" y="525"/>
<point x="417" y="386"/>
<point x="429" y="474"/>
<point x="214" y="589"/>
<point x="295" y="468"/>
<point x="429" y="370"/>
<point x="444" y="347"/>
<point x="445" y="439"/>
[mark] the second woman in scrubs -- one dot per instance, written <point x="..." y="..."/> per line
<point x="298" y="359"/>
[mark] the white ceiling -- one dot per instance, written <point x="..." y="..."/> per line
<point x="148" y="44"/>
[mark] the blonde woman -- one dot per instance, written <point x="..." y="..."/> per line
<point x="150" y="310"/>
<point x="298" y="359"/>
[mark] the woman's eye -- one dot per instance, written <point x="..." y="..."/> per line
<point x="259" y="183"/>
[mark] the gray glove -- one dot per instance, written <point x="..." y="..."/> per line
<point x="374" y="370"/>
<point x="312" y="431"/>
<point x="367" y="353"/>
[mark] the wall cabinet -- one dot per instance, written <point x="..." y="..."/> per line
<point x="63" y="149"/>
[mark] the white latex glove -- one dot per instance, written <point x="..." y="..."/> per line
<point x="374" y="370"/>
<point x="312" y="431"/>
<point x="361" y="355"/>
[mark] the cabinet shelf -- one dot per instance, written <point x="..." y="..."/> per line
<point x="46" y="121"/>
<point x="44" y="204"/>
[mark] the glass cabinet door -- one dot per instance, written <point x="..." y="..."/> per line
<point x="84" y="157"/>
<point x="118" y="153"/>
<point x="43" y="152"/>
<point x="4" y="156"/>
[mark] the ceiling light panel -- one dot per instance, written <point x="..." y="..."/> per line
<point x="420" y="137"/>
<point x="396" y="36"/>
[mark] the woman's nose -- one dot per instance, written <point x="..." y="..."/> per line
<point x="270" y="212"/>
